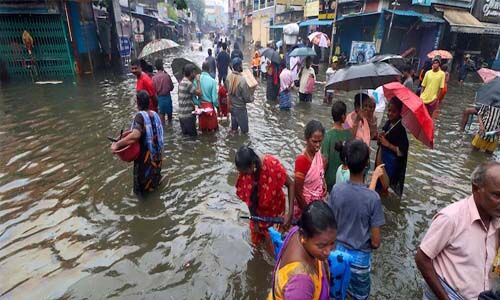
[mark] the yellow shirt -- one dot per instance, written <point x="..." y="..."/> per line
<point x="433" y="82"/>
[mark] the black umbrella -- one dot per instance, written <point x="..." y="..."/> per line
<point x="364" y="76"/>
<point x="178" y="67"/>
<point x="271" y="54"/>
<point x="385" y="58"/>
<point x="489" y="93"/>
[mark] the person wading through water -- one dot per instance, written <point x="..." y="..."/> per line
<point x="148" y="131"/>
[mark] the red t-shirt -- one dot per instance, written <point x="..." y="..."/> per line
<point x="302" y="166"/>
<point x="144" y="82"/>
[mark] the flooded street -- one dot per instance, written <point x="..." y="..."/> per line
<point x="71" y="228"/>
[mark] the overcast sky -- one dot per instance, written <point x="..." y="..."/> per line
<point x="220" y="2"/>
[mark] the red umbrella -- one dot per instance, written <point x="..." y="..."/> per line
<point x="415" y="116"/>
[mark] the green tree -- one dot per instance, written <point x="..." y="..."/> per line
<point x="181" y="4"/>
<point x="198" y="9"/>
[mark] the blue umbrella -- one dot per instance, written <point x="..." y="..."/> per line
<point x="303" y="52"/>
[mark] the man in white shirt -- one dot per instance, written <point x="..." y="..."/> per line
<point x="305" y="87"/>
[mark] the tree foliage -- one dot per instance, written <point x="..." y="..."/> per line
<point x="198" y="9"/>
<point x="181" y="4"/>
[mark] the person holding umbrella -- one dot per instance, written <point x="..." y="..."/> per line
<point x="307" y="78"/>
<point x="393" y="148"/>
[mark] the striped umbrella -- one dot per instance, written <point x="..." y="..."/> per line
<point x="157" y="46"/>
<point x="319" y="39"/>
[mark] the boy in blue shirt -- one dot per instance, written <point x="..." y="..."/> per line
<point x="359" y="215"/>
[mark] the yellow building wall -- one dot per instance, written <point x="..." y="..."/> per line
<point x="260" y="29"/>
<point x="311" y="9"/>
<point x="291" y="2"/>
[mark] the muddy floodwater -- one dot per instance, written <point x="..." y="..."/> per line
<point x="70" y="227"/>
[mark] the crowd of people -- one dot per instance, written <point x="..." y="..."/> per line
<point x="330" y="198"/>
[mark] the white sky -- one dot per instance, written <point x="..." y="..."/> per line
<point x="219" y="2"/>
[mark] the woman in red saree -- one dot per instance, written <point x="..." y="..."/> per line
<point x="260" y="185"/>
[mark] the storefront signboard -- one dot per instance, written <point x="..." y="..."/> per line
<point x="487" y="11"/>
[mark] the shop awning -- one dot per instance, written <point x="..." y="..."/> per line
<point x="344" y="17"/>
<point x="424" y="18"/>
<point x="461" y="20"/>
<point x="316" y="22"/>
<point x="491" y="28"/>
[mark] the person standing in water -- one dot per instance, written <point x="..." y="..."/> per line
<point x="393" y="148"/>
<point x="212" y="64"/>
<point x="223" y="61"/>
<point x="286" y="86"/>
<point x="309" y="169"/>
<point x="336" y="134"/>
<point x="238" y="96"/>
<point x="301" y="268"/>
<point x="359" y="215"/>
<point x="148" y="131"/>
<point x="260" y="185"/>
<point x="457" y="254"/>
<point x="163" y="85"/>
<point x="209" y="100"/>
<point x="186" y="94"/>
<point x="433" y="85"/>
<point x="145" y="83"/>
<point x="305" y="75"/>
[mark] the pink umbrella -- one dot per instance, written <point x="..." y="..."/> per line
<point x="442" y="53"/>
<point x="488" y="75"/>
<point x="319" y="39"/>
<point x="415" y="117"/>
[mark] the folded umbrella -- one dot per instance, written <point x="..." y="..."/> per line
<point x="157" y="46"/>
<point x="489" y="93"/>
<point x="488" y="75"/>
<point x="270" y="54"/>
<point x="178" y="67"/>
<point x="415" y="117"/>
<point x="364" y="76"/>
<point x="303" y="52"/>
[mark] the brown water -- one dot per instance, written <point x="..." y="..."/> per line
<point x="70" y="227"/>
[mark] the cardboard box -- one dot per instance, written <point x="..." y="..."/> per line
<point x="251" y="81"/>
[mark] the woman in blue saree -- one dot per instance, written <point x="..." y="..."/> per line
<point x="393" y="148"/>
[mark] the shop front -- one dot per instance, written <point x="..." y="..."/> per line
<point x="408" y="29"/>
<point x="488" y="13"/>
<point x="463" y="32"/>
